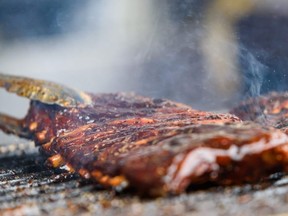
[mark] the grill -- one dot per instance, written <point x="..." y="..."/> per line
<point x="28" y="187"/>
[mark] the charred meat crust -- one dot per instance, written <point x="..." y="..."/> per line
<point x="156" y="146"/>
<point x="118" y="109"/>
<point x="90" y="140"/>
<point x="124" y="139"/>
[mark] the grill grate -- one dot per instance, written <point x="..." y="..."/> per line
<point x="27" y="187"/>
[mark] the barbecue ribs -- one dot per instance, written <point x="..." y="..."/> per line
<point x="153" y="145"/>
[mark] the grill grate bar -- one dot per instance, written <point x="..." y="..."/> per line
<point x="27" y="187"/>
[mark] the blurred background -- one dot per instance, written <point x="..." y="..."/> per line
<point x="207" y="53"/>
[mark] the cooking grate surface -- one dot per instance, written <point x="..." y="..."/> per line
<point x="28" y="187"/>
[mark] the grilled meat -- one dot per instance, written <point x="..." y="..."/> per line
<point x="157" y="161"/>
<point x="268" y="110"/>
<point x="154" y="145"/>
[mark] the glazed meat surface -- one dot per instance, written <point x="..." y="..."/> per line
<point x="159" y="160"/>
<point x="126" y="139"/>
<point x="92" y="139"/>
<point x="116" y="112"/>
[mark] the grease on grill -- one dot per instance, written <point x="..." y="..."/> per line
<point x="30" y="188"/>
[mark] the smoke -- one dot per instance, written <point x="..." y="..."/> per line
<point x="173" y="68"/>
<point x="150" y="47"/>
<point x="253" y="73"/>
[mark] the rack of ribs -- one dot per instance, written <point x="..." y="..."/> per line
<point x="155" y="146"/>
